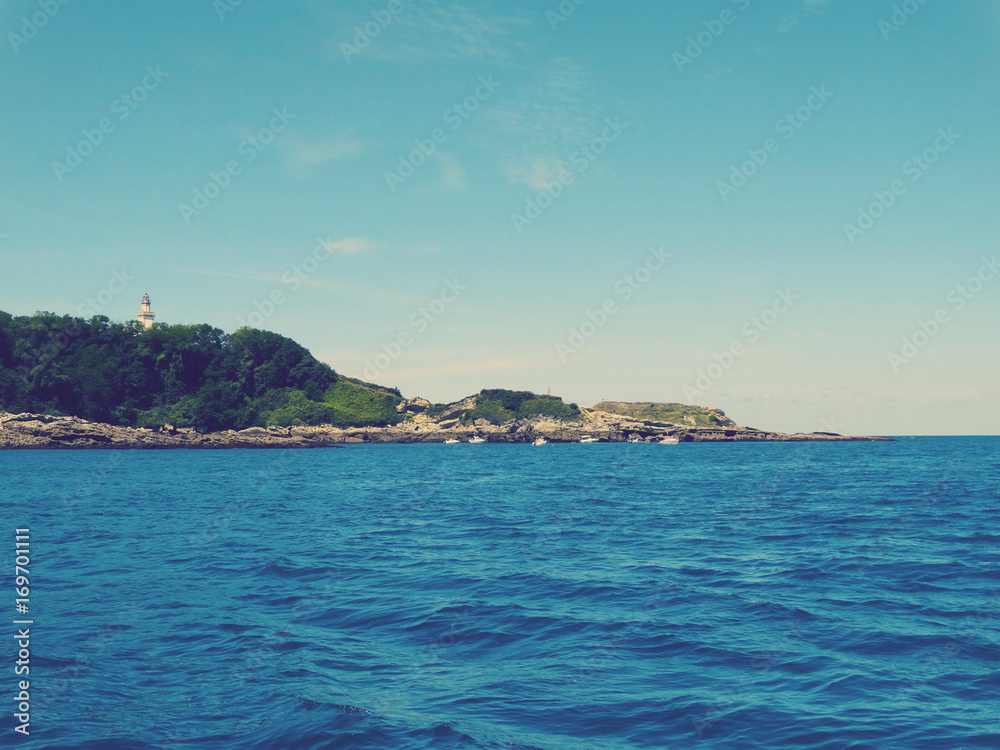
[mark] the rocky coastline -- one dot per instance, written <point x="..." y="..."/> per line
<point x="39" y="431"/>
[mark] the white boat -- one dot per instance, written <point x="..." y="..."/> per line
<point x="540" y="441"/>
<point x="451" y="441"/>
<point x="634" y="439"/>
<point x="670" y="441"/>
<point x="478" y="439"/>
<point x="588" y="439"/>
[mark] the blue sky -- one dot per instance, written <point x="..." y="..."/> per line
<point x="607" y="202"/>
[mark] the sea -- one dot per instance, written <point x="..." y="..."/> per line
<point x="822" y="595"/>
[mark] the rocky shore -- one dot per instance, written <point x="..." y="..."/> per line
<point x="44" y="431"/>
<point x="27" y="431"/>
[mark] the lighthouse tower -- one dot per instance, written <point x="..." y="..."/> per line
<point x="145" y="314"/>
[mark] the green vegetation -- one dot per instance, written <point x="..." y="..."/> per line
<point x="185" y="375"/>
<point x="436" y="410"/>
<point x="681" y="414"/>
<point x="498" y="406"/>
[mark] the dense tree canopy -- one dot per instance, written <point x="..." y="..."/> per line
<point x="186" y="375"/>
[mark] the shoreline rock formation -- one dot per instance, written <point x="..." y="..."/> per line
<point x="46" y="431"/>
<point x="27" y="431"/>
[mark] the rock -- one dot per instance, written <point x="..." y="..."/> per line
<point x="47" y="431"/>
<point x="414" y="405"/>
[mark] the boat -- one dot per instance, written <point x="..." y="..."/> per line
<point x="540" y="441"/>
<point x="634" y="439"/>
<point x="670" y="441"/>
<point x="588" y="439"/>
<point x="477" y="439"/>
<point x="451" y="441"/>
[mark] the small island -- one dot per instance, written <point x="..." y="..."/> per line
<point x="67" y="382"/>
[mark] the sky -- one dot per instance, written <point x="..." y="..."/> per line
<point x="785" y="209"/>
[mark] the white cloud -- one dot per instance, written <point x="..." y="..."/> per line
<point x="351" y="245"/>
<point x="539" y="174"/>
<point x="808" y="9"/>
<point x="452" y="172"/>
<point x="305" y="153"/>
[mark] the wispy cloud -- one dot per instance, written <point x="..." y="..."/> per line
<point x="343" y="246"/>
<point x="544" y="122"/>
<point x="539" y="174"/>
<point x="709" y="76"/>
<point x="452" y="172"/>
<point x="808" y="9"/>
<point x="304" y="153"/>
<point x="441" y="30"/>
<point x="350" y="289"/>
<point x="351" y="245"/>
<point x="267" y="278"/>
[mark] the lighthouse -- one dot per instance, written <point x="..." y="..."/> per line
<point x="145" y="314"/>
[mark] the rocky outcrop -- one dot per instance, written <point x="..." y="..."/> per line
<point x="413" y="405"/>
<point x="46" y="431"/>
<point x="605" y="427"/>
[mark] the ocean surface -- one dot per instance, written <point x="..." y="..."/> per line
<point x="803" y="595"/>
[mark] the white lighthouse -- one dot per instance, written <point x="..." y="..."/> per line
<point x="145" y="314"/>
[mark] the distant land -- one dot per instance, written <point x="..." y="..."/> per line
<point x="71" y="382"/>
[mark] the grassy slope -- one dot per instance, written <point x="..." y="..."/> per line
<point x="347" y="403"/>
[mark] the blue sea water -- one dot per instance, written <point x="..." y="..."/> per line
<point x="804" y="595"/>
